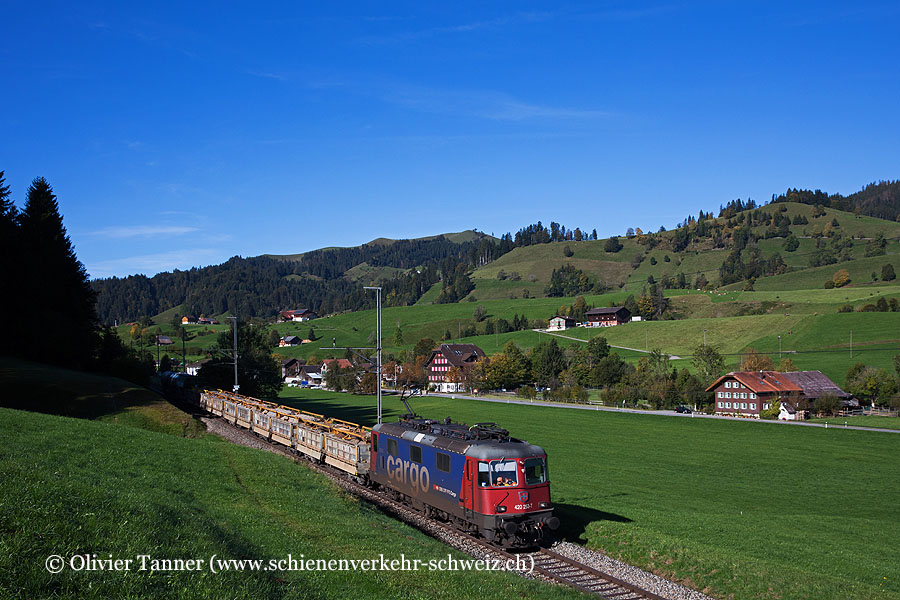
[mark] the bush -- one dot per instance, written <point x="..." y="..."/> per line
<point x="567" y="252"/>
<point x="846" y="308"/>
<point x="612" y="244"/>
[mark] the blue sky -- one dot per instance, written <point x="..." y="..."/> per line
<point x="182" y="134"/>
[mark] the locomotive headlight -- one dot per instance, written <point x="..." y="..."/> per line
<point x="544" y="505"/>
<point x="501" y="509"/>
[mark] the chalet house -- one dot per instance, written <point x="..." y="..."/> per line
<point x="340" y="363"/>
<point x="207" y="321"/>
<point x="289" y="340"/>
<point x="751" y="392"/>
<point x="607" y="317"/>
<point x="559" y="323"/>
<point x="444" y="358"/>
<point x="188" y="320"/>
<point x="290" y="367"/>
<point x="310" y="375"/>
<point x="194" y="368"/>
<point x="304" y="314"/>
<point x="164" y="340"/>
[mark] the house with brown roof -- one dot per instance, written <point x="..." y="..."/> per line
<point x="607" y="317"/>
<point x="340" y="363"/>
<point x="289" y="340"/>
<point x="447" y="365"/>
<point x="748" y="393"/>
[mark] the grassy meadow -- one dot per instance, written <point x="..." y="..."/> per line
<point x="738" y="509"/>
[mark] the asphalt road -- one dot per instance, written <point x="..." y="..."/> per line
<point x="838" y="424"/>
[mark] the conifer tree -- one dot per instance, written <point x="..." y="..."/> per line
<point x="54" y="283"/>
<point x="9" y="261"/>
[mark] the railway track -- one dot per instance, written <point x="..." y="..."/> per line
<point x="547" y="564"/>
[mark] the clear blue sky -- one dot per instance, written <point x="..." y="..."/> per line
<point x="183" y="134"/>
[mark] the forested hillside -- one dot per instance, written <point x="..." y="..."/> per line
<point x="743" y="243"/>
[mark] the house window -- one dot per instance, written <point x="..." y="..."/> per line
<point x="753" y="406"/>
<point x="728" y="394"/>
<point x="721" y="395"/>
<point x="720" y="404"/>
<point x="752" y="396"/>
<point x="765" y="406"/>
<point x="728" y="384"/>
<point x="728" y="405"/>
<point x="743" y="406"/>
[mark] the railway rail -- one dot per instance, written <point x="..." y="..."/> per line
<point x="547" y="564"/>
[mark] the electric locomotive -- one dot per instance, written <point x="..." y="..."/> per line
<point x="477" y="477"/>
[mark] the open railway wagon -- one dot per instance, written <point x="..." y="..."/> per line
<point x="341" y="444"/>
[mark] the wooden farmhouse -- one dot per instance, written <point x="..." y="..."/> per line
<point x="447" y="365"/>
<point x="749" y="393"/>
<point x="608" y="317"/>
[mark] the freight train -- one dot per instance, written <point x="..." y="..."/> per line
<point x="477" y="477"/>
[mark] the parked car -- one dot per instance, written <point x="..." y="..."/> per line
<point x="683" y="409"/>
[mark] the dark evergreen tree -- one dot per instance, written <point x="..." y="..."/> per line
<point x="10" y="259"/>
<point x="54" y="284"/>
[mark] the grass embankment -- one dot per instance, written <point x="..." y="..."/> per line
<point x="42" y="388"/>
<point x="87" y="487"/>
<point x="744" y="510"/>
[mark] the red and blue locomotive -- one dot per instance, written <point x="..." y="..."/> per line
<point x="477" y="477"/>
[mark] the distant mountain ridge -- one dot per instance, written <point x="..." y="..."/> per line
<point x="330" y="279"/>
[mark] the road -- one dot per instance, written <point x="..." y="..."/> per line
<point x="662" y="413"/>
<point x="568" y="337"/>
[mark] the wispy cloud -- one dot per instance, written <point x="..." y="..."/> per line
<point x="409" y="36"/>
<point x="150" y="264"/>
<point x="483" y="104"/>
<point x="132" y="231"/>
<point x="269" y="75"/>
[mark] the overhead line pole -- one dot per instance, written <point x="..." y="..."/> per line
<point x="377" y="343"/>
<point x="235" y="349"/>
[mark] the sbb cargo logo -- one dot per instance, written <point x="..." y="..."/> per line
<point x="407" y="473"/>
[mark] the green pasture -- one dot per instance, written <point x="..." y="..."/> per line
<point x="75" y="487"/>
<point x="738" y="509"/>
<point x="860" y="421"/>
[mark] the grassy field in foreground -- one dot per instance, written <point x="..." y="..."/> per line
<point x="75" y="487"/>
<point x="742" y="509"/>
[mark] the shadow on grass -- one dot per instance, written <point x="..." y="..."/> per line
<point x="574" y="519"/>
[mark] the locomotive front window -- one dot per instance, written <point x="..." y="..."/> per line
<point x="504" y="473"/>
<point x="535" y="471"/>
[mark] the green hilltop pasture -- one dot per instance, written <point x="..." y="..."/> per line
<point x="737" y="509"/>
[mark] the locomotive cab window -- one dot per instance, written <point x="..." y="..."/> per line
<point x="375" y="443"/>
<point x="504" y="473"/>
<point x="415" y="454"/>
<point x="443" y="462"/>
<point x="535" y="471"/>
<point x="392" y="447"/>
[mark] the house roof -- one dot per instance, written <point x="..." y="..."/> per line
<point x="164" y="339"/>
<point x="611" y="310"/>
<point x="458" y="354"/>
<point x="311" y="369"/>
<point x="342" y="363"/>
<point x="761" y="382"/>
<point x="816" y="384"/>
<point x="291" y="339"/>
<point x="563" y="317"/>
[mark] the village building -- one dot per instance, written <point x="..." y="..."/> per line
<point x="339" y="363"/>
<point x="607" y="317"/>
<point x="310" y="375"/>
<point x="447" y="364"/>
<point x="559" y="323"/>
<point x="188" y="320"/>
<point x="164" y="340"/>
<point x="303" y="314"/>
<point x="749" y="393"/>
<point x="290" y="340"/>
<point x="290" y="367"/>
<point x="207" y="321"/>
